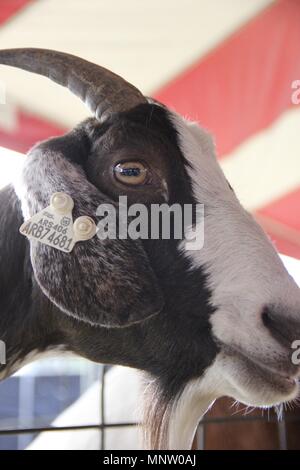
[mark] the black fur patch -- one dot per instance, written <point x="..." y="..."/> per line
<point x="174" y="346"/>
<point x="108" y="283"/>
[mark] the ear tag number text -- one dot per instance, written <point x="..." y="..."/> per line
<point x="53" y="226"/>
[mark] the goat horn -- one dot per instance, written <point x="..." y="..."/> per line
<point x="101" y="90"/>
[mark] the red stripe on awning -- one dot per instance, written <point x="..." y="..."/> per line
<point x="281" y="221"/>
<point x="285" y="210"/>
<point x="29" y="130"/>
<point x="245" y="83"/>
<point x="285" y="247"/>
<point x="9" y="8"/>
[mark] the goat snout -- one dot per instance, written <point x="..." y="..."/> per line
<point x="282" y="326"/>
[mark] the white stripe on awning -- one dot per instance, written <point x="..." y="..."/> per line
<point x="267" y="166"/>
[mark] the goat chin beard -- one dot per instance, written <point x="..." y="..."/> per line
<point x="173" y="425"/>
<point x="256" y="386"/>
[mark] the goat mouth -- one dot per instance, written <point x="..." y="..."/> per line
<point x="280" y="382"/>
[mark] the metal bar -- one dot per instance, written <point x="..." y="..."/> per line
<point x="200" y="436"/>
<point x="102" y="408"/>
<point x="282" y="433"/>
<point x="64" y="428"/>
<point x="288" y="419"/>
<point x="26" y="408"/>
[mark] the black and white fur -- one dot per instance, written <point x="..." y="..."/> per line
<point x="200" y="324"/>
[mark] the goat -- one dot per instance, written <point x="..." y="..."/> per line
<point x="200" y="323"/>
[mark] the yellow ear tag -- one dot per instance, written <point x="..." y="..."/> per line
<point x="53" y="226"/>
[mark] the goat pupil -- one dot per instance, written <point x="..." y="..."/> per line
<point x="130" y="171"/>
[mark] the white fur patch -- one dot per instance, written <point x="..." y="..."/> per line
<point x="244" y="271"/>
<point x="196" y="398"/>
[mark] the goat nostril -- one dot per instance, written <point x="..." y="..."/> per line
<point x="277" y="326"/>
<point x="266" y="317"/>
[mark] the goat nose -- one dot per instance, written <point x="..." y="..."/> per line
<point x="284" y="329"/>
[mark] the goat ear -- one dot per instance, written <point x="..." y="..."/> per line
<point x="103" y="282"/>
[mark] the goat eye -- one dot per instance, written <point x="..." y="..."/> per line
<point x="133" y="173"/>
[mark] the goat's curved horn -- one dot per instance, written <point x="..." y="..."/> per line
<point x="101" y="90"/>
